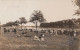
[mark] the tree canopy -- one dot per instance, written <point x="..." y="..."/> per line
<point x="77" y="2"/>
<point x="37" y="16"/>
<point x="11" y="24"/>
<point x="22" y="20"/>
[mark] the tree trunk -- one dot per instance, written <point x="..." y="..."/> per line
<point x="36" y="28"/>
<point x="21" y="26"/>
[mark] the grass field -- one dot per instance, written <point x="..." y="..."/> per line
<point x="12" y="41"/>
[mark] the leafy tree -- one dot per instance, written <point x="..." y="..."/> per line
<point x="77" y="2"/>
<point x="22" y="21"/>
<point x="37" y="17"/>
<point x="11" y="24"/>
<point x="8" y="24"/>
<point x="71" y="23"/>
<point x="16" y="23"/>
<point x="78" y="22"/>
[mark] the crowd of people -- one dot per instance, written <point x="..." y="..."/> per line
<point x="68" y="32"/>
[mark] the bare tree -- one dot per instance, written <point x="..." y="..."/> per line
<point x="36" y="17"/>
<point x="22" y="21"/>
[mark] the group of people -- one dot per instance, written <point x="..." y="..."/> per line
<point x="69" y="32"/>
<point x="10" y="30"/>
<point x="55" y="32"/>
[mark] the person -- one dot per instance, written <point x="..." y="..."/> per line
<point x="41" y="37"/>
<point x="71" y="33"/>
<point x="5" y="30"/>
<point x="15" y="31"/>
<point x="8" y="30"/>
<point x="55" y="32"/>
<point x="36" y="38"/>
<point x="74" y="33"/>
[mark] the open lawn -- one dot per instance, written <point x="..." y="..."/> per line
<point x="18" y="41"/>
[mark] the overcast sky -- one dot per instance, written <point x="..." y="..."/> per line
<point x="53" y="10"/>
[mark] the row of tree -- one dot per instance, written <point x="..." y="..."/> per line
<point x="16" y="23"/>
<point x="70" y="23"/>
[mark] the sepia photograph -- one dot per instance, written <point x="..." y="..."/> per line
<point x="39" y="24"/>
